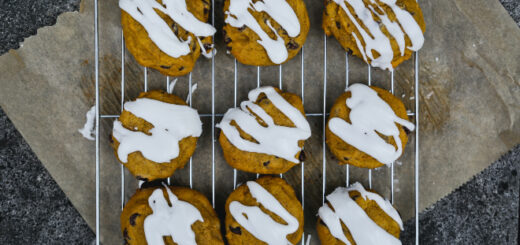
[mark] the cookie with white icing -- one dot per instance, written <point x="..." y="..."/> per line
<point x="354" y="215"/>
<point x="383" y="33"/>
<point x="167" y="35"/>
<point x="367" y="127"/>
<point x="155" y="135"/>
<point x="170" y="215"/>
<point x="265" y="211"/>
<point x="266" y="133"/>
<point x="267" y="32"/>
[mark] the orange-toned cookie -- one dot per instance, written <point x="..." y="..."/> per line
<point x="383" y="33"/>
<point x="155" y="135"/>
<point x="171" y="215"/>
<point x="264" y="33"/>
<point x="266" y="135"/>
<point x="367" y="127"/>
<point x="264" y="211"/>
<point x="354" y="215"/>
<point x="165" y="35"/>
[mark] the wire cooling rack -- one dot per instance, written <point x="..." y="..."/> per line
<point x="213" y="115"/>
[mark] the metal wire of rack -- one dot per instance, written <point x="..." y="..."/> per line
<point x="213" y="116"/>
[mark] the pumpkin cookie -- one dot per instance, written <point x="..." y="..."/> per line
<point x="264" y="211"/>
<point x="155" y="135"/>
<point x="167" y="36"/>
<point x="266" y="134"/>
<point x="354" y="215"/>
<point x="383" y="33"/>
<point x="170" y="215"/>
<point x="365" y="127"/>
<point x="264" y="33"/>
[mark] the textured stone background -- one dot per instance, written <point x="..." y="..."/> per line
<point x="35" y="209"/>
<point x="482" y="211"/>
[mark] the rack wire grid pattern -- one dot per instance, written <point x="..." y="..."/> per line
<point x="213" y="115"/>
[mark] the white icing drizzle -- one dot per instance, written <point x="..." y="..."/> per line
<point x="370" y="114"/>
<point x="193" y="88"/>
<point x="275" y="140"/>
<point x="363" y="229"/>
<point x="88" y="129"/>
<point x="175" y="220"/>
<point x="171" y="122"/>
<point x="375" y="39"/>
<point x="158" y="30"/>
<point x="260" y="224"/>
<point x="238" y="15"/>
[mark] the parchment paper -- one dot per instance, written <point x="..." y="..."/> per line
<point x="470" y="108"/>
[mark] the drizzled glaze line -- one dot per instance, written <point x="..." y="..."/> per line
<point x="375" y="39"/>
<point x="275" y="140"/>
<point x="238" y="15"/>
<point x="370" y="115"/>
<point x="174" y="220"/>
<point x="144" y="12"/>
<point x="260" y="224"/>
<point x="171" y="122"/>
<point x="362" y="228"/>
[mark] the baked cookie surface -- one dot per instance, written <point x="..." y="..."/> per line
<point x="267" y="203"/>
<point x="384" y="33"/>
<point x="263" y="33"/>
<point x="179" y="215"/>
<point x="148" y="147"/>
<point x="377" y="137"/>
<point x="357" y="215"/>
<point x="269" y="140"/>
<point x="169" y="33"/>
